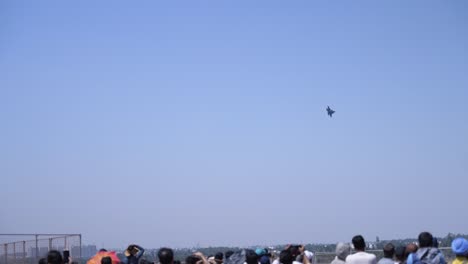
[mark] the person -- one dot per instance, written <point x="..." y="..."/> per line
<point x="265" y="259"/>
<point x="309" y="255"/>
<point x="400" y="255"/>
<point x="43" y="261"/>
<point x="218" y="258"/>
<point x="361" y="256"/>
<point x="191" y="259"/>
<point x="410" y="248"/>
<point x="54" y="257"/>
<point x="251" y="257"/>
<point x="342" y="251"/>
<point x="211" y="259"/>
<point x="133" y="254"/>
<point x="295" y="252"/>
<point x="166" y="256"/>
<point x="228" y="253"/>
<point x="460" y="249"/>
<point x="106" y="260"/>
<point x="389" y="252"/>
<point x="426" y="253"/>
<point x="285" y="257"/>
<point x="292" y="253"/>
<point x="260" y="252"/>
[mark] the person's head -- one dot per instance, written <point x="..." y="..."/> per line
<point x="389" y="250"/>
<point x="286" y="257"/>
<point x="43" y="261"/>
<point x="260" y="252"/>
<point x="400" y="253"/>
<point x="166" y="256"/>
<point x="54" y="257"/>
<point x="342" y="250"/>
<point x="131" y="250"/>
<point x="192" y="259"/>
<point x="251" y="257"/>
<point x="460" y="247"/>
<point x="218" y="257"/>
<point x="294" y="250"/>
<point x="425" y="239"/>
<point x="265" y="259"/>
<point x="359" y="243"/>
<point x="228" y="253"/>
<point x="106" y="260"/>
<point x="103" y="250"/>
<point x="410" y="248"/>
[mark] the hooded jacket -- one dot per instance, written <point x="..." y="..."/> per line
<point x="428" y="255"/>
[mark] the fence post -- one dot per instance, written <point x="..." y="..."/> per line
<point x="6" y="253"/>
<point x="14" y="251"/>
<point x="24" y="252"/>
<point x="37" y="249"/>
<point x="80" y="248"/>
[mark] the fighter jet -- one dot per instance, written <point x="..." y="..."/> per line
<point x="330" y="112"/>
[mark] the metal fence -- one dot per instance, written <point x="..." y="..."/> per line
<point x="29" y="248"/>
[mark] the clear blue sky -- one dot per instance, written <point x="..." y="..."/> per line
<point x="185" y="122"/>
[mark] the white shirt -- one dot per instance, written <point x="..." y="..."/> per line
<point x="361" y="258"/>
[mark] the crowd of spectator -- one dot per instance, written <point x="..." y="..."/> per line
<point x="425" y="251"/>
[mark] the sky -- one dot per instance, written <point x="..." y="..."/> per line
<point x="183" y="123"/>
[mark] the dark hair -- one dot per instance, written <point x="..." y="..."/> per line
<point x="251" y="257"/>
<point x="294" y="250"/>
<point x="106" y="260"/>
<point x="192" y="259"/>
<point x="286" y="257"/>
<point x="228" y="254"/>
<point x="43" y="261"/>
<point x="54" y="257"/>
<point x="176" y="262"/>
<point x="103" y="250"/>
<point x="166" y="256"/>
<point x="389" y="250"/>
<point x="425" y="239"/>
<point x="219" y="256"/>
<point x="400" y="253"/>
<point x="265" y="259"/>
<point x="359" y="243"/>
